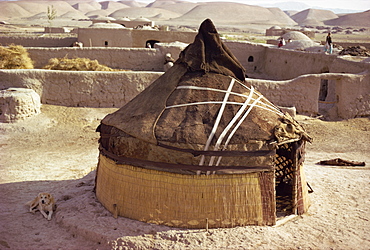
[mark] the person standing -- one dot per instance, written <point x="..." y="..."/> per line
<point x="329" y="44"/>
<point x="281" y="42"/>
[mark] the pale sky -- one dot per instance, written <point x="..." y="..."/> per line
<point x="361" y="5"/>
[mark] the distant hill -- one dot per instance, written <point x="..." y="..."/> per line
<point x="299" y="6"/>
<point x="132" y="3"/>
<point x="222" y="12"/>
<point x="112" y="5"/>
<point x="296" y="6"/>
<point x="181" y="8"/>
<point x="9" y="10"/>
<point x="290" y="12"/>
<point x="355" y="19"/>
<point x="150" y="13"/>
<point x="159" y="3"/>
<point x="313" y="17"/>
<point x="339" y="11"/>
<point x="86" y="7"/>
<point x="179" y="12"/>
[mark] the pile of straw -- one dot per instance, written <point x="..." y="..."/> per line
<point x="15" y="57"/>
<point x="76" y="64"/>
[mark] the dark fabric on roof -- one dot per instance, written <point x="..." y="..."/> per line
<point x="194" y="107"/>
<point x="208" y="53"/>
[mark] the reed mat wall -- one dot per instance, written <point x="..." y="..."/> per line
<point x="187" y="201"/>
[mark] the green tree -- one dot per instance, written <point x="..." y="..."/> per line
<point x="52" y="14"/>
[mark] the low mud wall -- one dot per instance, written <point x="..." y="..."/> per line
<point x="270" y="62"/>
<point x="38" y="41"/>
<point x="250" y="55"/>
<point x="301" y="93"/>
<point x="284" y="64"/>
<point x="80" y="89"/>
<point x="116" y="58"/>
<point x="347" y="95"/>
<point x="350" y="93"/>
<point x="261" y="61"/>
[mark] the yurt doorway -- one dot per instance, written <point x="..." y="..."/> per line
<point x="284" y="180"/>
<point x="289" y="183"/>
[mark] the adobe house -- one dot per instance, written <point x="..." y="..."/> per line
<point x="116" y="35"/>
<point x="125" y="21"/>
<point x="57" y="29"/>
<point x="278" y="31"/>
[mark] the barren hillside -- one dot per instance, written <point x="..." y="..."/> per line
<point x="239" y="13"/>
<point x="150" y="13"/>
<point x="170" y="12"/>
<point x="356" y="19"/>
<point x="313" y="16"/>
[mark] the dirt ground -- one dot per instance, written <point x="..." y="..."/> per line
<point x="56" y="151"/>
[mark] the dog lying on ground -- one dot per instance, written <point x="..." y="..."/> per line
<point x="44" y="202"/>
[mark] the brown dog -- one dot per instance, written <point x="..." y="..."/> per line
<point x="44" y="202"/>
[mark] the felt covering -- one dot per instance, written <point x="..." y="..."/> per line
<point x="209" y="54"/>
<point x="200" y="148"/>
<point x="200" y="112"/>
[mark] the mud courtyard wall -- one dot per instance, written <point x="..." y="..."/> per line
<point x="275" y="63"/>
<point x="260" y="61"/>
<point x="296" y="77"/>
<point x="117" y="58"/>
<point x="115" y="89"/>
<point x="351" y="94"/>
<point x="38" y="41"/>
<point x="80" y="89"/>
<point x="132" y="38"/>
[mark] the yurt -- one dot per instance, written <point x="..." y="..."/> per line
<point x="200" y="148"/>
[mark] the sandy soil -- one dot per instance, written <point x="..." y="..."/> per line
<point x="56" y="152"/>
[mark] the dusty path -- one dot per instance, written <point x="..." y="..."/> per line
<point x="56" y="151"/>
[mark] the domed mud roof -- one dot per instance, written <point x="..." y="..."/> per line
<point x="104" y="18"/>
<point x="275" y="27"/>
<point x="200" y="106"/>
<point x="300" y="44"/>
<point x="144" y="19"/>
<point x="124" y="19"/>
<point x="295" y="35"/>
<point x="107" y="25"/>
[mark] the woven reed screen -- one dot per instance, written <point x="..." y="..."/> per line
<point x="188" y="201"/>
<point x="290" y="176"/>
<point x="303" y="201"/>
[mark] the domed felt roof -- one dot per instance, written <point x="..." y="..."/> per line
<point x="201" y="104"/>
